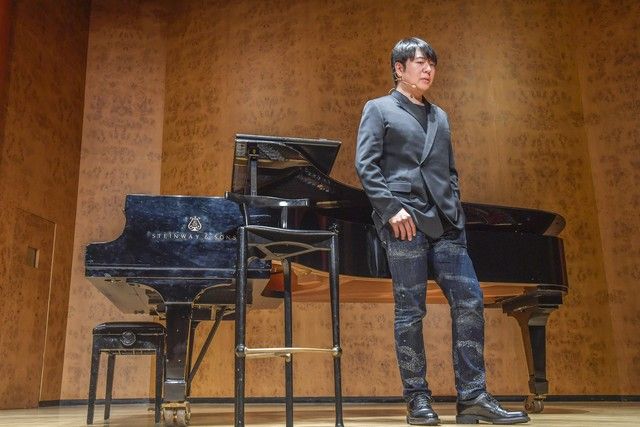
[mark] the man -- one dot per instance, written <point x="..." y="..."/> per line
<point x="405" y="162"/>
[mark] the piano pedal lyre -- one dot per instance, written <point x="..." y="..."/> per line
<point x="176" y="413"/>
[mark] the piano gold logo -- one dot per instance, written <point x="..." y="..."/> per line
<point x="184" y="236"/>
<point x="194" y="233"/>
<point x="194" y="224"/>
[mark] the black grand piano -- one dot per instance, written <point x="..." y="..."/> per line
<point x="176" y="256"/>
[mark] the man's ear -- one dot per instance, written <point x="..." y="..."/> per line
<point x="399" y="69"/>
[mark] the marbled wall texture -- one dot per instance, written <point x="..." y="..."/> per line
<point x="39" y="166"/>
<point x="509" y="77"/>
<point x="121" y="149"/>
<point x="609" y="68"/>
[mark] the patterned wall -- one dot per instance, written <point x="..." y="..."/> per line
<point x="121" y="149"/>
<point x="507" y="75"/>
<point x="39" y="169"/>
<point x="6" y="14"/>
<point x="609" y="66"/>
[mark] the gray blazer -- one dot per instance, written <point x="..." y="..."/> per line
<point x="401" y="164"/>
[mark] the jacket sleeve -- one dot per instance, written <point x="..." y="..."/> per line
<point x="453" y="172"/>
<point x="369" y="151"/>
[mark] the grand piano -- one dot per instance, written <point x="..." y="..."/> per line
<point x="176" y="257"/>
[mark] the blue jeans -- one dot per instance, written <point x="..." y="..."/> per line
<point x="409" y="262"/>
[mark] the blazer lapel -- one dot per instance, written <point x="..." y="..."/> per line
<point x="400" y="101"/>
<point x="431" y="132"/>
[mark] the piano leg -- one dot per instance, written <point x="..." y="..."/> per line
<point x="176" y="407"/>
<point x="192" y="335"/>
<point x="533" y="323"/>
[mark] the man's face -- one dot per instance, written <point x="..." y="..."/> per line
<point x="418" y="71"/>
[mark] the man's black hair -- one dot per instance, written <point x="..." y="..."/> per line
<point x="405" y="49"/>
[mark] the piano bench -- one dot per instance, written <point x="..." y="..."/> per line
<point x="125" y="338"/>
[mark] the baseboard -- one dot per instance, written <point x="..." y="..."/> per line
<point x="594" y="398"/>
<point x="351" y="399"/>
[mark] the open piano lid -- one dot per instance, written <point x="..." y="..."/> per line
<point x="301" y="167"/>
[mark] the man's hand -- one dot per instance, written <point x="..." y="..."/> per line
<point x="402" y="225"/>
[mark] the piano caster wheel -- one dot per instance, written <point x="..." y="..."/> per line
<point x="534" y="404"/>
<point x="181" y="418"/>
<point x="177" y="416"/>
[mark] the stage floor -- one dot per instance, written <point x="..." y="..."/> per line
<point x="357" y="415"/>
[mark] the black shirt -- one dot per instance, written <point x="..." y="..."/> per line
<point x="420" y="112"/>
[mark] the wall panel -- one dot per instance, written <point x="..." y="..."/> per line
<point x="39" y="160"/>
<point x="609" y="64"/>
<point x="121" y="149"/>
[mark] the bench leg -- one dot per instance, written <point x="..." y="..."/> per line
<point x="93" y="383"/>
<point x="111" y="362"/>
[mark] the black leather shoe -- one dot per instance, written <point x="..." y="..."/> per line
<point x="486" y="408"/>
<point x="420" y="412"/>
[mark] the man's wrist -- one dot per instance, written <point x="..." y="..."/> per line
<point x="392" y="210"/>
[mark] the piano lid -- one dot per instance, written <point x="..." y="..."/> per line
<point x="174" y="237"/>
<point x="299" y="167"/>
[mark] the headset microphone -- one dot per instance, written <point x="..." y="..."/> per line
<point x="402" y="80"/>
<point x="413" y="86"/>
